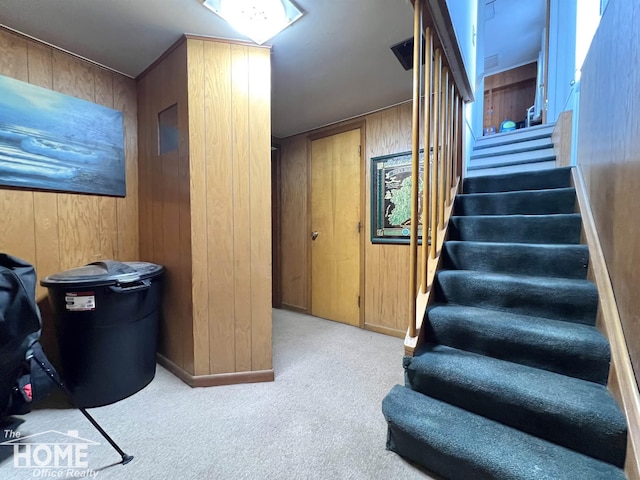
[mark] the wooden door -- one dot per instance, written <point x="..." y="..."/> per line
<point x="335" y="227"/>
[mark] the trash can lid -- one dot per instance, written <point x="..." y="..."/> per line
<point x="104" y="272"/>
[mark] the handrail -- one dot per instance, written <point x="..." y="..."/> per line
<point x="442" y="158"/>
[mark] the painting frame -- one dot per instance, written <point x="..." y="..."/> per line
<point x="388" y="180"/>
<point x="55" y="142"/>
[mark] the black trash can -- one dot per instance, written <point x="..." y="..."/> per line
<point x="107" y="316"/>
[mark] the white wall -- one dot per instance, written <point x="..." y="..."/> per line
<point x="464" y="16"/>
<point x="562" y="55"/>
<point x="477" y="113"/>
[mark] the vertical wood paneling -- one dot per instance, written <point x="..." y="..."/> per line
<point x="56" y="231"/>
<point x="79" y="215"/>
<point x="63" y="230"/>
<point x="184" y="275"/>
<point x="219" y="175"/>
<point x="167" y="206"/>
<point x="17" y="236"/>
<point x="561" y="139"/>
<point x="609" y="155"/>
<point x="107" y="206"/>
<point x="214" y="190"/>
<point x="45" y="205"/>
<point x="241" y="206"/>
<point x="144" y="141"/>
<point x="165" y="230"/>
<point x="507" y="95"/>
<point x="198" y="212"/>
<point x="294" y="235"/>
<point x="386" y="267"/>
<point x="260" y="206"/>
<point x="124" y="99"/>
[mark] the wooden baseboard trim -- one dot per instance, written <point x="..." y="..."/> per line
<point x="393" y="332"/>
<point x="622" y="381"/>
<point x="295" y="308"/>
<point x="217" y="379"/>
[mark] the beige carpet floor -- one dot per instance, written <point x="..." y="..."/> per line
<point x="319" y="419"/>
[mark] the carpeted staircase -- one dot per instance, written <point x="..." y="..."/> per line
<point x="510" y="382"/>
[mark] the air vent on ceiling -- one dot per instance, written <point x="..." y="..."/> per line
<point x="404" y="52"/>
<point x="490" y="62"/>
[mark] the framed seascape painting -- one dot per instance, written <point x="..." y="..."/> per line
<point x="391" y="198"/>
<point x="52" y="141"/>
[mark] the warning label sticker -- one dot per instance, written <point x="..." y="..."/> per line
<point x="80" y="301"/>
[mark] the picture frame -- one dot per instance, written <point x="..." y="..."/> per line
<point x="52" y="141"/>
<point x="391" y="198"/>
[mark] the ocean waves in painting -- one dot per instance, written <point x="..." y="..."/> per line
<point x="56" y="142"/>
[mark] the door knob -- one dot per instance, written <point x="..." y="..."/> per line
<point x="314" y="235"/>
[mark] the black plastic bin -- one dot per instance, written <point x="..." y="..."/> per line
<point x="107" y="316"/>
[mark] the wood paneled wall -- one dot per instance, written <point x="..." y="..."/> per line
<point x="165" y="215"/>
<point x="386" y="284"/>
<point x="58" y="231"/>
<point x="507" y="95"/>
<point x="206" y="209"/>
<point x="561" y="139"/>
<point x="609" y="155"/>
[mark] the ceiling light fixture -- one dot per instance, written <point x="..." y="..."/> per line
<point x="259" y="20"/>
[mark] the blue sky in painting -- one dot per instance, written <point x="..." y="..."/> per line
<point x="53" y="141"/>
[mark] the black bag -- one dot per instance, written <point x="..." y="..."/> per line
<point x="26" y="375"/>
<point x="21" y="380"/>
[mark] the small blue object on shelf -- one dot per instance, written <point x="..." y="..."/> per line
<point x="507" y="126"/>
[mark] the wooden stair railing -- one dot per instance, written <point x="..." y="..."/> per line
<point x="441" y="107"/>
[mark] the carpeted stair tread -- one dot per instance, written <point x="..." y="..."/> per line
<point x="509" y="378"/>
<point x="459" y="445"/>
<point x="565" y="261"/>
<point x="566" y="348"/>
<point x="526" y="202"/>
<point x="510" y="182"/>
<point x="556" y="298"/>
<point x="562" y="228"/>
<point x="574" y="413"/>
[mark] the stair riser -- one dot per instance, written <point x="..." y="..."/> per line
<point x="546" y="202"/>
<point x="517" y="229"/>
<point x="458" y="445"/>
<point x="540" y="260"/>
<point x="517" y="147"/>
<point x="579" y="357"/>
<point x="437" y="461"/>
<point x="523" y="167"/>
<point x="573" y="427"/>
<point x="542" y="179"/>
<point x="577" y="303"/>
<point x="515" y="137"/>
<point x="517" y="158"/>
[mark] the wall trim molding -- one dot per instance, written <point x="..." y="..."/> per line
<point x="392" y="332"/>
<point x="60" y="49"/>
<point x="295" y="308"/>
<point x="622" y="382"/>
<point x="217" y="379"/>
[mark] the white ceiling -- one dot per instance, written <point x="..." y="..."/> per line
<point x="332" y="64"/>
<point x="514" y="34"/>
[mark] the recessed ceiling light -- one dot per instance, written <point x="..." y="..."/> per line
<point x="259" y="20"/>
